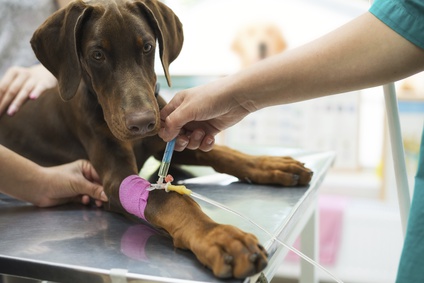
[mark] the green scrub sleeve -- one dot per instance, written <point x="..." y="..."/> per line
<point x="406" y="17"/>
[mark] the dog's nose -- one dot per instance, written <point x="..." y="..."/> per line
<point x="141" y="122"/>
<point x="263" y="50"/>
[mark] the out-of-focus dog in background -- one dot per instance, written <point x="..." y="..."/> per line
<point x="412" y="86"/>
<point x="256" y="41"/>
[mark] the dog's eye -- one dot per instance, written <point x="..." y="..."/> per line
<point x="147" y="48"/>
<point x="97" y="55"/>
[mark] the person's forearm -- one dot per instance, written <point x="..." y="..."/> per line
<point x="363" y="53"/>
<point x="19" y="177"/>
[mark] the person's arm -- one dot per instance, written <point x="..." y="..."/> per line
<point x="361" y="54"/>
<point x="48" y="186"/>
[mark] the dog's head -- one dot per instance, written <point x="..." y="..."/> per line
<point x="257" y="41"/>
<point x="110" y="45"/>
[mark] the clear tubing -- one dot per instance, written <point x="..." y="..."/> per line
<point x="299" y="253"/>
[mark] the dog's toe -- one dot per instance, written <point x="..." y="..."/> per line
<point x="234" y="253"/>
<point x="249" y="265"/>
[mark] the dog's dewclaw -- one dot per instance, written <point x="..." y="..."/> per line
<point x="182" y="190"/>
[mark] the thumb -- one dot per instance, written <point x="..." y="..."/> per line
<point x="93" y="190"/>
<point x="172" y="127"/>
<point x="174" y="116"/>
<point x="90" y="183"/>
<point x="174" y="119"/>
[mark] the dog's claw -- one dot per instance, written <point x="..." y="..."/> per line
<point x="231" y="252"/>
<point x="228" y="259"/>
<point x="253" y="257"/>
<point x="263" y="249"/>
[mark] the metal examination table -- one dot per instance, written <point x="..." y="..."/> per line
<point x="75" y="243"/>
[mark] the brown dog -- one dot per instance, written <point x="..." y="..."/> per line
<point x="102" y="53"/>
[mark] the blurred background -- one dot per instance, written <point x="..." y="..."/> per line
<point x="360" y="228"/>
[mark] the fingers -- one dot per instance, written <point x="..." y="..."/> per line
<point x="37" y="91"/>
<point x="22" y="96"/>
<point x="90" y="184"/>
<point x="20" y="84"/>
<point x="93" y="190"/>
<point x="86" y="200"/>
<point x="196" y="140"/>
<point x="199" y="140"/>
<point x="192" y="119"/>
<point x="89" y="172"/>
<point x="179" y="113"/>
<point x="207" y="143"/>
<point x="10" y="86"/>
<point x="181" y="143"/>
<point x="172" y="125"/>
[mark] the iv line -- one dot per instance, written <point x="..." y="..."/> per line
<point x="274" y="238"/>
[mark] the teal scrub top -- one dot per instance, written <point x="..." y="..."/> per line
<point x="404" y="17"/>
<point x="407" y="19"/>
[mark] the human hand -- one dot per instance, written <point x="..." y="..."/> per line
<point x="196" y="115"/>
<point x="76" y="181"/>
<point x="20" y="84"/>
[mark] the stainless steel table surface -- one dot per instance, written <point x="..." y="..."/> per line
<point x="76" y="243"/>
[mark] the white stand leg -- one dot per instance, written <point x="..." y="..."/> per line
<point x="397" y="153"/>
<point x="310" y="247"/>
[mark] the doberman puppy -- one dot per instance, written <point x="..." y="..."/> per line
<point x="102" y="53"/>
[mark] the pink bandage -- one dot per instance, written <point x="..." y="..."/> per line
<point x="133" y="195"/>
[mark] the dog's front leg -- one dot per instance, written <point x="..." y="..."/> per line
<point x="225" y="249"/>
<point x="113" y="162"/>
<point x="282" y="170"/>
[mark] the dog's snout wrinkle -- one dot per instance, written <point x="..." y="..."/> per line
<point x="140" y="123"/>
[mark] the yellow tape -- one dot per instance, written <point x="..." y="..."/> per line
<point x="182" y="190"/>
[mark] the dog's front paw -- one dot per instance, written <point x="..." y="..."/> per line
<point x="230" y="252"/>
<point x="284" y="171"/>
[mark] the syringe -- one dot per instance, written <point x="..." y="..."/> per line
<point x="166" y="161"/>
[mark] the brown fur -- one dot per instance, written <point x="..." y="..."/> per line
<point x="99" y="52"/>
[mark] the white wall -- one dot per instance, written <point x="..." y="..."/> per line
<point x="210" y="26"/>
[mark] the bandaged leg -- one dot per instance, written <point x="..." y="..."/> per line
<point x="133" y="194"/>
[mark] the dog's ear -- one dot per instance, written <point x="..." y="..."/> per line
<point x="55" y="45"/>
<point x="168" y="29"/>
